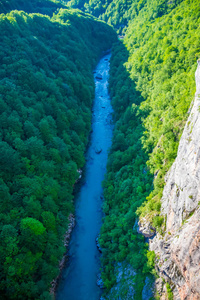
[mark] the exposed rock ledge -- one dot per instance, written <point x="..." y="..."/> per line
<point x="178" y="252"/>
<point x="145" y="228"/>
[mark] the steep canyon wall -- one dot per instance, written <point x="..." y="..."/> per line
<point x="178" y="251"/>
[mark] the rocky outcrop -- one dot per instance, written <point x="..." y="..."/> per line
<point x="98" y="149"/>
<point x="124" y="282"/>
<point x="79" y="171"/>
<point x="147" y="292"/>
<point x="99" y="76"/>
<point x="178" y="251"/>
<point x="100" y="281"/>
<point x="98" y="245"/>
<point x="67" y="236"/>
<point x="145" y="228"/>
<point x="178" y="260"/>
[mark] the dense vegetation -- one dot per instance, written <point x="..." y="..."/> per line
<point x="162" y="64"/>
<point x="115" y="12"/>
<point x="46" y="93"/>
<point x="45" y="82"/>
<point x="127" y="184"/>
<point x="121" y="13"/>
<point x="151" y="94"/>
<point x="46" y="7"/>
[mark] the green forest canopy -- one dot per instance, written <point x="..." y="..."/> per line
<point x="152" y="85"/>
<point x="45" y="83"/>
<point x="45" y="7"/>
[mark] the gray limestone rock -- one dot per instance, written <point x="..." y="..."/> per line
<point x="145" y="228"/>
<point x="178" y="251"/>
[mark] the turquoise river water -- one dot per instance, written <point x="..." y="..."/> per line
<point x="78" y="280"/>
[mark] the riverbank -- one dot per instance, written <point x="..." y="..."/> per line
<point x="78" y="278"/>
<point x="62" y="263"/>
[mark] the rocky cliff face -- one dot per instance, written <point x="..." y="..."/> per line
<point x="178" y="252"/>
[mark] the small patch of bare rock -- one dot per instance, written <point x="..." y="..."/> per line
<point x="148" y="290"/>
<point x="100" y="281"/>
<point x="71" y="225"/>
<point x="98" y="149"/>
<point x="125" y="275"/>
<point x="145" y="228"/>
<point x="99" y="76"/>
<point x="79" y="171"/>
<point x="98" y="245"/>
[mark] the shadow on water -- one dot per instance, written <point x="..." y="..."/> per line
<point x="126" y="186"/>
<point x="78" y="281"/>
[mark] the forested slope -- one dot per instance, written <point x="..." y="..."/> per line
<point x="121" y="13"/>
<point x="126" y="186"/>
<point x="46" y="7"/>
<point x="162" y="64"/>
<point x="116" y="12"/>
<point x="46" y="93"/>
<point x="45" y="83"/>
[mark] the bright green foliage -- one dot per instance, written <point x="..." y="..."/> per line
<point x="152" y="85"/>
<point x="121" y="13"/>
<point x="34" y="226"/>
<point x="128" y="181"/>
<point x="162" y="64"/>
<point x="115" y="12"/>
<point x="46" y="93"/>
<point x="169" y="292"/>
<point x="45" y="83"/>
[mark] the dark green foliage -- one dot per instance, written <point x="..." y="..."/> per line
<point x="115" y="12"/>
<point x="45" y="83"/>
<point x="128" y="181"/>
<point x="162" y="64"/>
<point x="121" y="13"/>
<point x="152" y="85"/>
<point x="46" y="7"/>
<point x="46" y="93"/>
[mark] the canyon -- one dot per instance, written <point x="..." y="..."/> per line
<point x="177" y="248"/>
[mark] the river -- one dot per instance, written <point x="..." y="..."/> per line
<point x="78" y="280"/>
